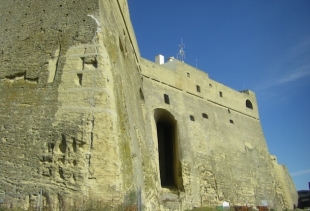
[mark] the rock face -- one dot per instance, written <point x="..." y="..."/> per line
<point x="84" y="118"/>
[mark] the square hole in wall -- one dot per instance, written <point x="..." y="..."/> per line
<point x="166" y="98"/>
<point x="231" y="121"/>
<point x="192" y="118"/>
<point x="204" y="115"/>
<point x="198" y="88"/>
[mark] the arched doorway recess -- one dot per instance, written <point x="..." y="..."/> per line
<point x="168" y="153"/>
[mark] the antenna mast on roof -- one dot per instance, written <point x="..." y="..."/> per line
<point x="181" y="54"/>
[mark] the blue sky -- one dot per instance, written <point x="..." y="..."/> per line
<point x="259" y="45"/>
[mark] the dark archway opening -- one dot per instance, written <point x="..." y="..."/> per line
<point x="165" y="152"/>
<point x="169" y="165"/>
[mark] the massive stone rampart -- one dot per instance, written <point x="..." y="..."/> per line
<point x="84" y="118"/>
<point x="221" y="146"/>
<point x="68" y="74"/>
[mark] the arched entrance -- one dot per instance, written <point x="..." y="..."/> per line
<point x="169" y="165"/>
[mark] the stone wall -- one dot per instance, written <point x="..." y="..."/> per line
<point x="221" y="145"/>
<point x="79" y="110"/>
<point x="68" y="74"/>
<point x="34" y="39"/>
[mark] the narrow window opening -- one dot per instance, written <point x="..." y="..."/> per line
<point x="210" y="85"/>
<point x="228" y="110"/>
<point x="192" y="118"/>
<point x="120" y="44"/>
<point x="198" y="88"/>
<point x="80" y="76"/>
<point x="248" y="104"/>
<point x="141" y="94"/>
<point x="166" y="98"/>
<point x="188" y="74"/>
<point x="205" y="116"/>
<point x="231" y="121"/>
<point x="221" y="94"/>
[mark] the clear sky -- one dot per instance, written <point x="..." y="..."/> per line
<point x="261" y="45"/>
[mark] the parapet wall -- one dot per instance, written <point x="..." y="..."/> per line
<point x="192" y="81"/>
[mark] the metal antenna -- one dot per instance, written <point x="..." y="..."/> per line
<point x="181" y="54"/>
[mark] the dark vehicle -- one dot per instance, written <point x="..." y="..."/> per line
<point x="303" y="199"/>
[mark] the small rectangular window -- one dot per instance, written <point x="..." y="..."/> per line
<point x="205" y="116"/>
<point x="141" y="94"/>
<point x="80" y="76"/>
<point x="231" y="121"/>
<point x="166" y="98"/>
<point x="192" y="118"/>
<point x="198" y="88"/>
<point x="188" y="74"/>
<point x="221" y="94"/>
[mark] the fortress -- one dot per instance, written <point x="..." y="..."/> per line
<point x="84" y="118"/>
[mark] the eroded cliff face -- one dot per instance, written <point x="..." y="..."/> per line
<point x="84" y="118"/>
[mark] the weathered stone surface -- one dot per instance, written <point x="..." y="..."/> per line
<point x="84" y="118"/>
